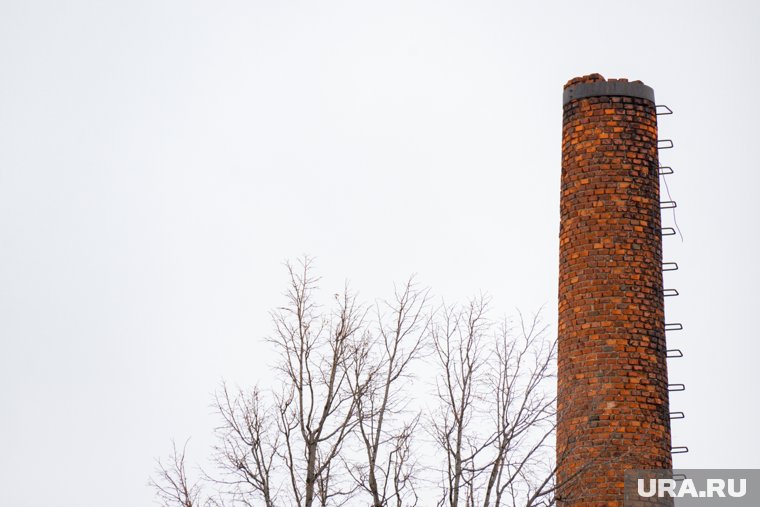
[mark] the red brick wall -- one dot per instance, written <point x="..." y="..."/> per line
<point x="612" y="383"/>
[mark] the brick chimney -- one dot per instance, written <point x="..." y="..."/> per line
<point x="612" y="374"/>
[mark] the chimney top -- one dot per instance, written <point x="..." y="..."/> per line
<point x="594" y="85"/>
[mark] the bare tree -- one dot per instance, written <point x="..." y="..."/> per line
<point x="525" y="414"/>
<point x="381" y="369"/>
<point x="457" y="341"/>
<point x="316" y="412"/>
<point x="341" y="421"/>
<point x="496" y="416"/>
<point x="172" y="485"/>
<point x="247" y="447"/>
<point x="286" y="449"/>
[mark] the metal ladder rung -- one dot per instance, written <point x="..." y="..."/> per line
<point x="673" y="353"/>
<point x="677" y="415"/>
<point x="669" y="266"/>
<point x="670" y="292"/>
<point x="666" y="111"/>
<point x="672" y="388"/>
<point x="674" y="326"/>
<point x="668" y="231"/>
<point x="679" y="450"/>
<point x="668" y="204"/>
<point x="665" y="170"/>
<point x="666" y="144"/>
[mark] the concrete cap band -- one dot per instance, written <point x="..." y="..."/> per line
<point x="607" y="89"/>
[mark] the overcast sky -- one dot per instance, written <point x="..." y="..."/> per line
<point x="159" y="160"/>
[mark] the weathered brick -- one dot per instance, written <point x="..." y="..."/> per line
<point x="612" y="381"/>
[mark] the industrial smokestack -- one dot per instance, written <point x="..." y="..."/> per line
<point x="612" y="374"/>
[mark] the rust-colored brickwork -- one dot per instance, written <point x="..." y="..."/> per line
<point x="612" y="384"/>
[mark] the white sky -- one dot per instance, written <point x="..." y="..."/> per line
<point x="159" y="160"/>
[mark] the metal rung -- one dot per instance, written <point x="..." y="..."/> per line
<point x="667" y="110"/>
<point x="669" y="292"/>
<point x="668" y="231"/>
<point x="675" y="326"/>
<point x="669" y="266"/>
<point x="677" y="415"/>
<point x="673" y="353"/>
<point x="665" y="170"/>
<point x="666" y="144"/>
<point x="668" y="204"/>
<point x="679" y="450"/>
<point x="676" y="387"/>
